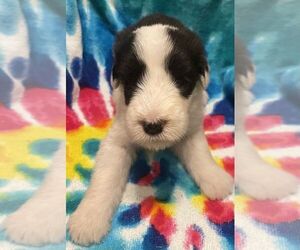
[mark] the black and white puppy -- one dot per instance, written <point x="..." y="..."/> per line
<point x="160" y="74"/>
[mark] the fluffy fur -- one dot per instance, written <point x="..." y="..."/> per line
<point x="253" y="176"/>
<point x="159" y="74"/>
<point x="41" y="220"/>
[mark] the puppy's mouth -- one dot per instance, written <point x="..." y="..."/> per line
<point x="156" y="135"/>
<point x="157" y="142"/>
<point x="154" y="129"/>
<point x="158" y="139"/>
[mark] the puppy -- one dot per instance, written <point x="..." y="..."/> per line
<point x="253" y="176"/>
<point x="159" y="77"/>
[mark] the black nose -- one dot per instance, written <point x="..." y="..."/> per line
<point x="153" y="128"/>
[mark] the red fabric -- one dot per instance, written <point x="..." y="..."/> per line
<point x="47" y="106"/>
<point x="147" y="206"/>
<point x="193" y="238"/>
<point x="272" y="212"/>
<point x="219" y="212"/>
<point x="73" y="121"/>
<point x="92" y="105"/>
<point x="212" y="122"/>
<point x="276" y="140"/>
<point x="164" y="224"/>
<point x="148" y="179"/>
<point x="228" y="163"/>
<point x="10" y="120"/>
<point x="220" y="140"/>
<point x="259" y="123"/>
<point x="291" y="165"/>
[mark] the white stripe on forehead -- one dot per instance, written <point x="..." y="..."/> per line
<point x="153" y="45"/>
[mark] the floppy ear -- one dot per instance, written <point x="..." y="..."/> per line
<point x="187" y="62"/>
<point x="199" y="58"/>
<point x="121" y="46"/>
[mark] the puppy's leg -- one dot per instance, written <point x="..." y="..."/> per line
<point x="41" y="220"/>
<point x="253" y="176"/>
<point x="91" y="220"/>
<point x="195" y="155"/>
<point x="257" y="178"/>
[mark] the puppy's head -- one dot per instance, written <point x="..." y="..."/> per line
<point x="159" y="70"/>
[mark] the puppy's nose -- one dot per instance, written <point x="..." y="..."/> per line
<point x="153" y="128"/>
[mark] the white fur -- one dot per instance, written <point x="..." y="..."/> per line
<point x="41" y="220"/>
<point x="195" y="155"/>
<point x="157" y="98"/>
<point x="254" y="176"/>
<point x="91" y="220"/>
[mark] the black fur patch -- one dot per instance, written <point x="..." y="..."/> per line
<point x="128" y="69"/>
<point x="186" y="62"/>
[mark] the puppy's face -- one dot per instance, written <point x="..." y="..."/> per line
<point x="158" y="69"/>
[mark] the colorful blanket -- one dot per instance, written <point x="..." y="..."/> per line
<point x="32" y="100"/>
<point x="162" y="208"/>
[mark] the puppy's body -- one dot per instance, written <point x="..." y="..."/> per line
<point x="159" y="77"/>
<point x="253" y="176"/>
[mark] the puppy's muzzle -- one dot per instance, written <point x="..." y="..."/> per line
<point x="153" y="128"/>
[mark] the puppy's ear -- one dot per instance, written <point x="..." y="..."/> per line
<point x="199" y="58"/>
<point x="123" y="42"/>
<point x="186" y="41"/>
<point x="198" y="55"/>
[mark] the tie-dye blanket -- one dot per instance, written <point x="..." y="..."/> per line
<point x="32" y="100"/>
<point x="162" y="208"/>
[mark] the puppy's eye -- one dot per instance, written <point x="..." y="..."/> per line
<point x="129" y="71"/>
<point x="182" y="71"/>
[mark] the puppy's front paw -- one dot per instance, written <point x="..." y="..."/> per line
<point x="268" y="183"/>
<point x="217" y="185"/>
<point x="87" y="227"/>
<point x="35" y="226"/>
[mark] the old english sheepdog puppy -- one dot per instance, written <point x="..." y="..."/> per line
<point x="159" y="77"/>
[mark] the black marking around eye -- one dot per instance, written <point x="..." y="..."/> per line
<point x="128" y="69"/>
<point x="186" y="62"/>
